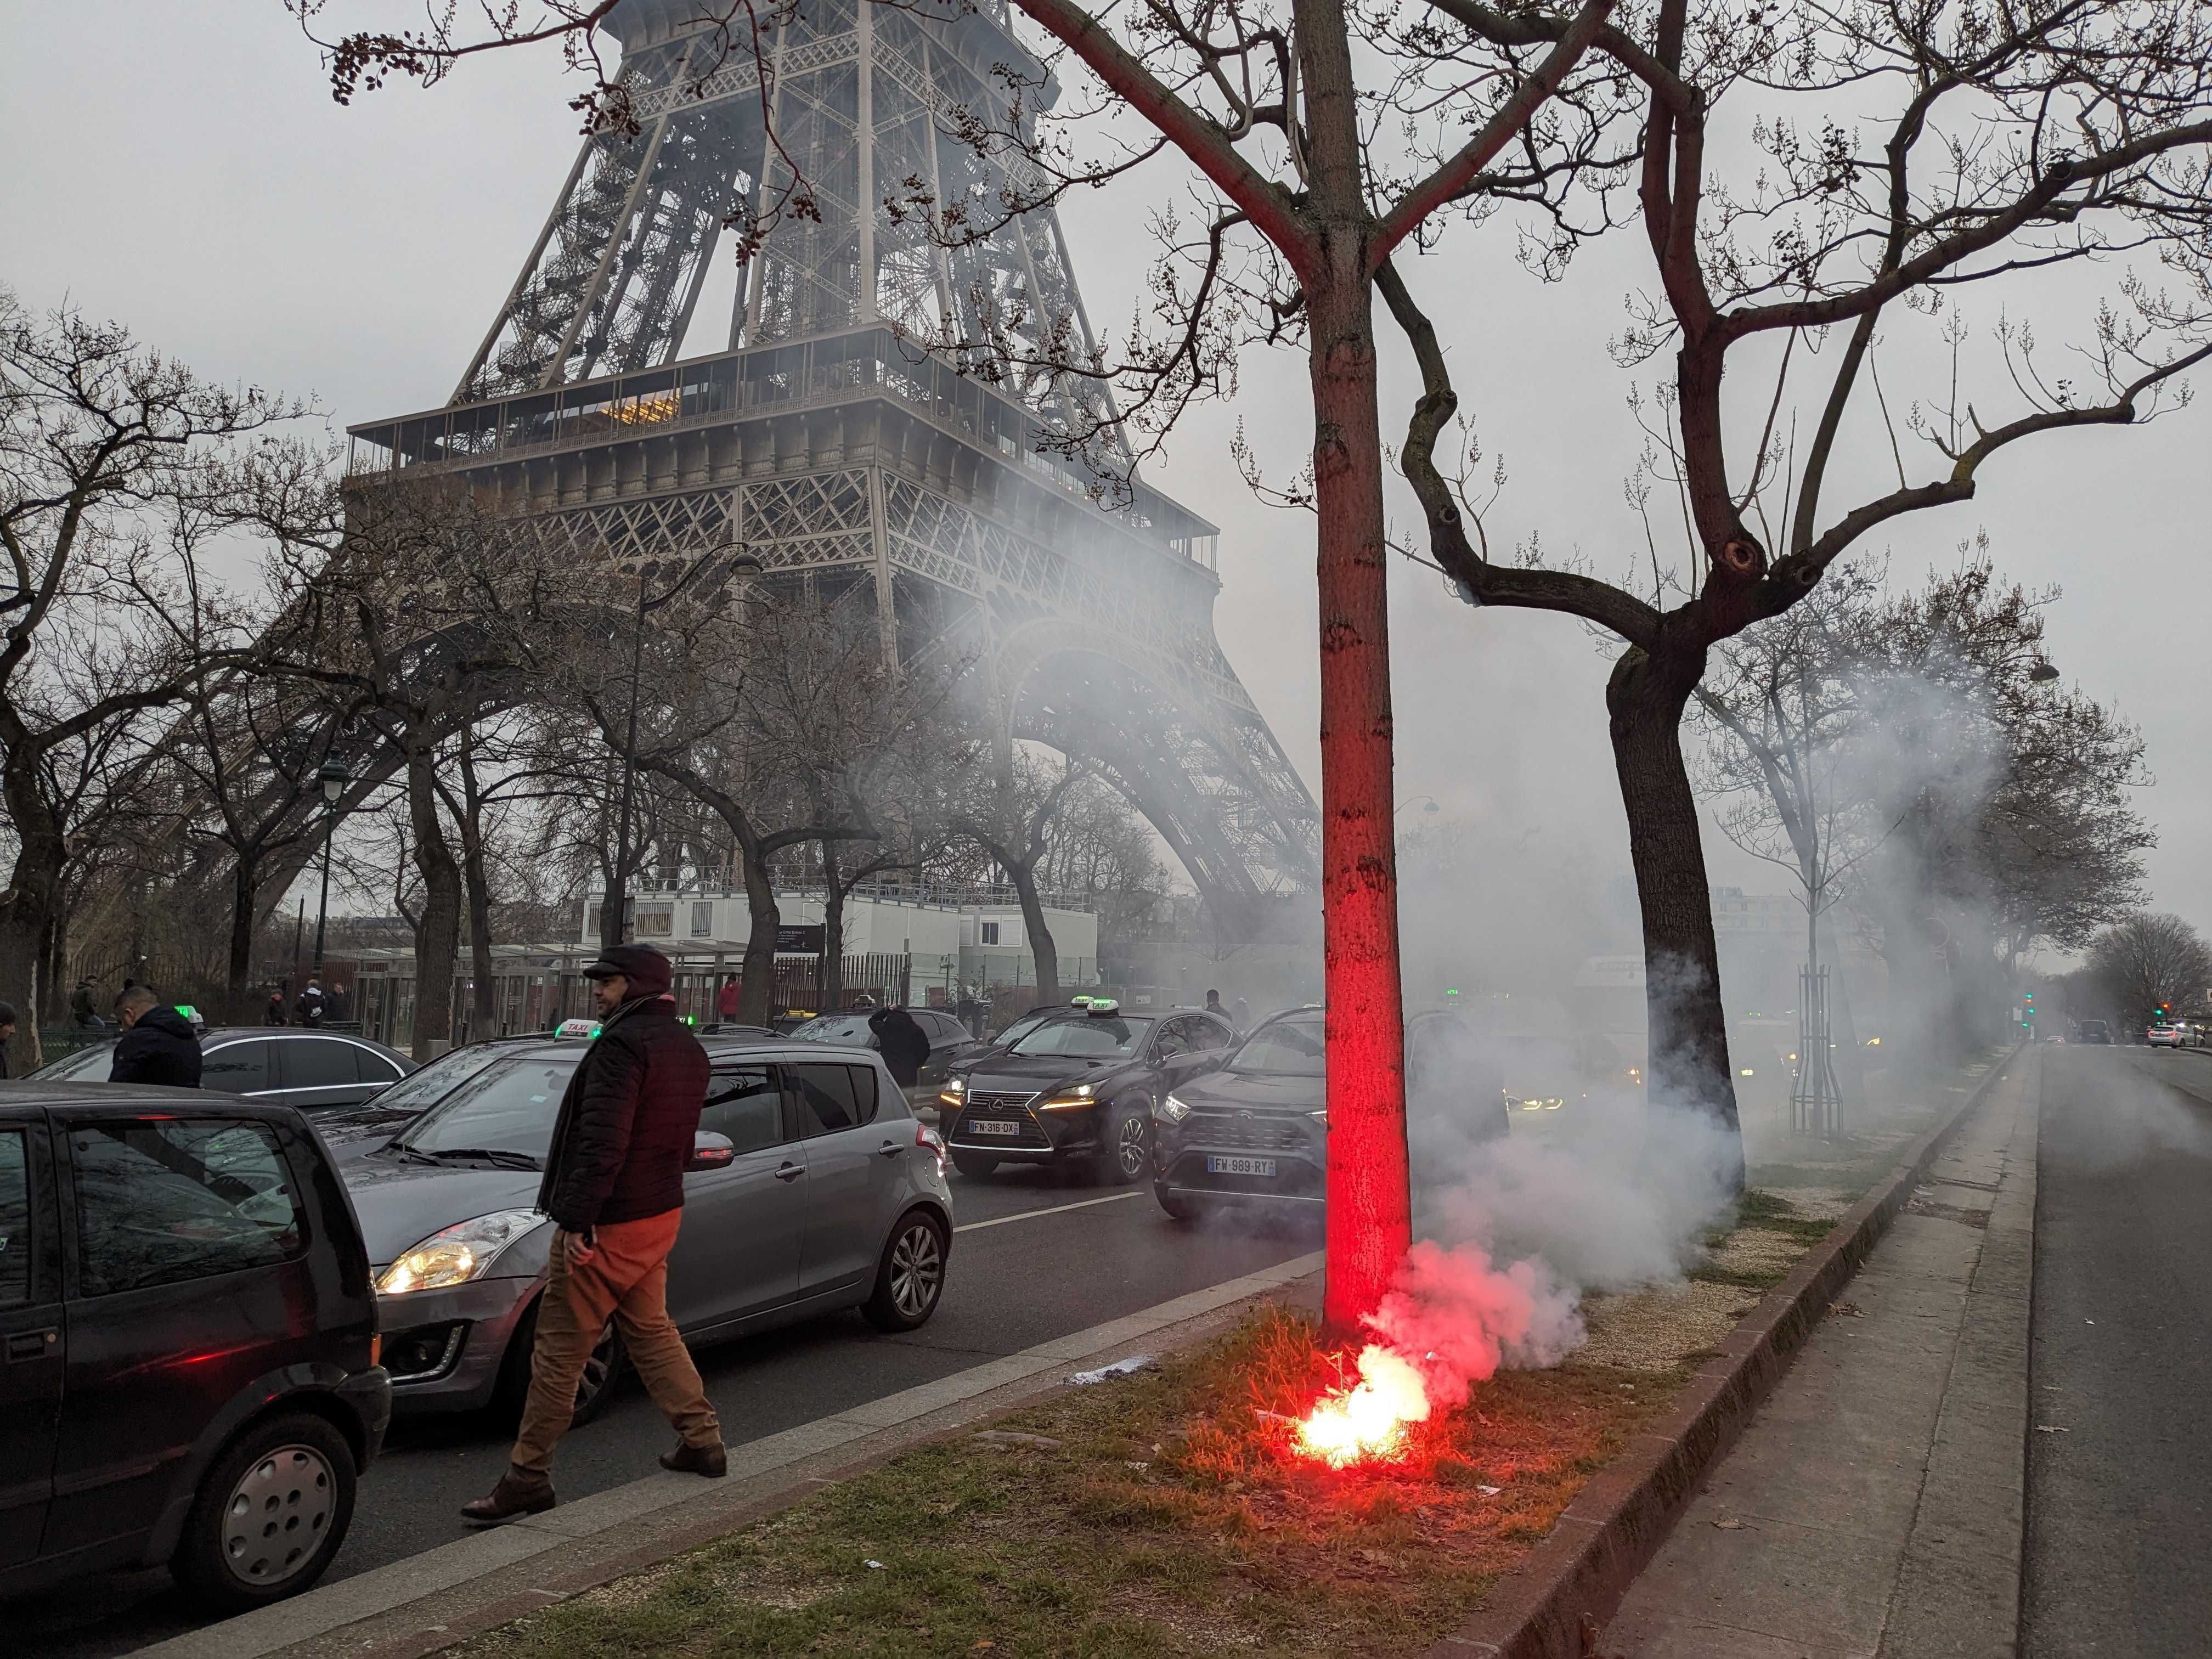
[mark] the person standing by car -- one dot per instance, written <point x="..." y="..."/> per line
<point x="902" y="1043"/>
<point x="614" y="1188"/>
<point x="158" y="1044"/>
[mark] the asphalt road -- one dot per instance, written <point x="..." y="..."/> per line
<point x="2118" y="1557"/>
<point x="1062" y="1264"/>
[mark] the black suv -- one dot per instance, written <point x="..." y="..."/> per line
<point x="1253" y="1129"/>
<point x="191" y="1370"/>
<point x="1082" y="1087"/>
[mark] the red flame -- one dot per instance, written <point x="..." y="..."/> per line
<point x="1369" y="1419"/>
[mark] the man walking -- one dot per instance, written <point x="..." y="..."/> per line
<point x="614" y="1186"/>
<point x="158" y="1044"/>
<point x="902" y="1042"/>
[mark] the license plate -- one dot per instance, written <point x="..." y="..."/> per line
<point x="990" y="1126"/>
<point x="1244" y="1166"/>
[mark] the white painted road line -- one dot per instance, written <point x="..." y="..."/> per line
<point x="1057" y="1209"/>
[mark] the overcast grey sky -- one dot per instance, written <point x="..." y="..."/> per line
<point x="183" y="170"/>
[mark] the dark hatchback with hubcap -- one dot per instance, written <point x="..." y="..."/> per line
<point x="1078" y="1089"/>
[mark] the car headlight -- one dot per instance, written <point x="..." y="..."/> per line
<point x="1079" y="1096"/>
<point x="954" y="1092"/>
<point x="1171" y="1111"/>
<point x="458" y="1253"/>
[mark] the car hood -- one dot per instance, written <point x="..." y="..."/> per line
<point x="400" y="1203"/>
<point x="1232" y="1092"/>
<point x="1032" y="1073"/>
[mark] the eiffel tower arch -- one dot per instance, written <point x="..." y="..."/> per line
<point x="825" y="442"/>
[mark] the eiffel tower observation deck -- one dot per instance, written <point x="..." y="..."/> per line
<point x="828" y="444"/>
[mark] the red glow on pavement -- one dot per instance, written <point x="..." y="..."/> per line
<point x="1369" y="1419"/>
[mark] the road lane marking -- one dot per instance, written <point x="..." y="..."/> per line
<point x="1057" y="1209"/>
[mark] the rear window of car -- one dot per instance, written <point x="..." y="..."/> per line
<point x="86" y="1066"/>
<point x="163" y="1200"/>
<point x="835" y="1028"/>
<point x="1284" y="1048"/>
<point x="833" y="1097"/>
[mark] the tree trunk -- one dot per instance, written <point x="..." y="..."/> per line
<point x="53" y="967"/>
<point x="1041" y="948"/>
<point x="245" y="895"/>
<point x="26" y="907"/>
<point x="830" y="990"/>
<point x="757" y="986"/>
<point x="477" y="881"/>
<point x="1370" y="1216"/>
<point x="1689" y="1059"/>
<point x="438" y="936"/>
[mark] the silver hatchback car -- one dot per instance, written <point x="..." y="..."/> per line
<point x="812" y="1189"/>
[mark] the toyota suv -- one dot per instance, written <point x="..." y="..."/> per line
<point x="190" y="1372"/>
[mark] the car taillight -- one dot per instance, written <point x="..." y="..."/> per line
<point x="930" y="1142"/>
<point x="376" y="1349"/>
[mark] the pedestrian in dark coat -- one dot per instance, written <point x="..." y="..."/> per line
<point x="902" y="1042"/>
<point x="614" y="1188"/>
<point x="273" y="1014"/>
<point x="158" y="1044"/>
<point x="80" y="1005"/>
<point x="307" y="1009"/>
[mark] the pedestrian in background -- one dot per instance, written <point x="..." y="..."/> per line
<point x="1213" y="1003"/>
<point x="725" y="1000"/>
<point x="902" y="1043"/>
<point x="81" y="1014"/>
<point x="158" y="1044"/>
<point x="7" y="1034"/>
<point x="274" y="1014"/>
<point x="614" y="1186"/>
<point x="308" y="1010"/>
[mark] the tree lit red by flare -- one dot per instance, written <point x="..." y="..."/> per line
<point x="1369" y="1419"/>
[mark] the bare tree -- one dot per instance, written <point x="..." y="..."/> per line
<point x="113" y="481"/>
<point x="1014" y="828"/>
<point x="2148" y="963"/>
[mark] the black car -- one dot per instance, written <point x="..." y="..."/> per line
<point x="312" y="1070"/>
<point x="950" y="1041"/>
<point x="1254" y="1129"/>
<point x="191" y="1369"/>
<point x="1084" y="1087"/>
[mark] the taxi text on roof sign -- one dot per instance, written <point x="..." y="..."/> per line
<point x="577" y="1028"/>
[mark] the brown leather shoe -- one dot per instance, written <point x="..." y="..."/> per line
<point x="713" y="1461"/>
<point x="519" y="1493"/>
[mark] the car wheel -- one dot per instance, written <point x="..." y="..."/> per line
<point x="911" y="1275"/>
<point x="601" y="1380"/>
<point x="269" y="1514"/>
<point x="1180" y="1211"/>
<point x="1125" y="1149"/>
<point x="973" y="1164"/>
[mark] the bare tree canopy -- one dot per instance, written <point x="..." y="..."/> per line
<point x="2148" y="963"/>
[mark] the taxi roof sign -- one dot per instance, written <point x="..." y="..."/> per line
<point x="1082" y="999"/>
<point x="1104" y="1005"/>
<point x="577" y="1028"/>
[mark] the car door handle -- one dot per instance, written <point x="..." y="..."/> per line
<point x="891" y="1148"/>
<point x="33" y="1345"/>
<point x="790" y="1171"/>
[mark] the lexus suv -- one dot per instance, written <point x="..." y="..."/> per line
<point x="1254" y="1131"/>
<point x="1079" y="1090"/>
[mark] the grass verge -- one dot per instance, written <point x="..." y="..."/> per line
<point x="1161" y="1513"/>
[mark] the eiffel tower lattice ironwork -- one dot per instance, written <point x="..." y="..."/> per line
<point x="827" y="444"/>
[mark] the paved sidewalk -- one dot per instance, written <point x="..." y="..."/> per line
<point x="1872" y="1510"/>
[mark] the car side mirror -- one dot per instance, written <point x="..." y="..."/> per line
<point x="710" y="1152"/>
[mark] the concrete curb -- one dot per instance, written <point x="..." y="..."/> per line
<point x="481" y="1581"/>
<point x="1559" y="1600"/>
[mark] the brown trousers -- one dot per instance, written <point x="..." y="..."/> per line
<point x="626" y="1280"/>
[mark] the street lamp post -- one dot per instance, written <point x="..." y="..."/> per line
<point x="333" y="777"/>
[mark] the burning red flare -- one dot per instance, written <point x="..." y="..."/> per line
<point x="1368" y="1419"/>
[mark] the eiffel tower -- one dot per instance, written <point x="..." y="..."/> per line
<point x="827" y="444"/>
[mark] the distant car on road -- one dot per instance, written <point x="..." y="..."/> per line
<point x="2092" y="1031"/>
<point x="950" y="1041"/>
<point x="1253" y="1130"/>
<point x="1080" y="1088"/>
<point x="2167" y="1036"/>
<point x="313" y="1071"/>
<point x="812" y="1189"/>
<point x="190" y="1372"/>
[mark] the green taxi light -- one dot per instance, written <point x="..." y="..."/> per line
<point x="189" y="1012"/>
<point x="1104" y="1005"/>
<point x="1083" y="1001"/>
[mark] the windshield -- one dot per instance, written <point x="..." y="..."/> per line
<point x="1022" y="1027"/>
<point x="835" y="1028"/>
<point x="507" y="1106"/>
<point x="1089" y="1038"/>
<point x="1287" y="1047"/>
<point x="86" y="1066"/>
<point x="424" y="1088"/>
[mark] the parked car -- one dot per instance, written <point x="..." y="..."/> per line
<point x="1252" y="1130"/>
<point x="191" y="1374"/>
<point x="950" y="1041"/>
<point x="2166" y="1037"/>
<point x="1080" y="1088"/>
<point x="313" y="1071"/>
<point x="813" y="1189"/>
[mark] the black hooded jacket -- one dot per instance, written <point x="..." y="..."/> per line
<point x="159" y="1048"/>
<point x="902" y="1042"/>
<point x="627" y="1121"/>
